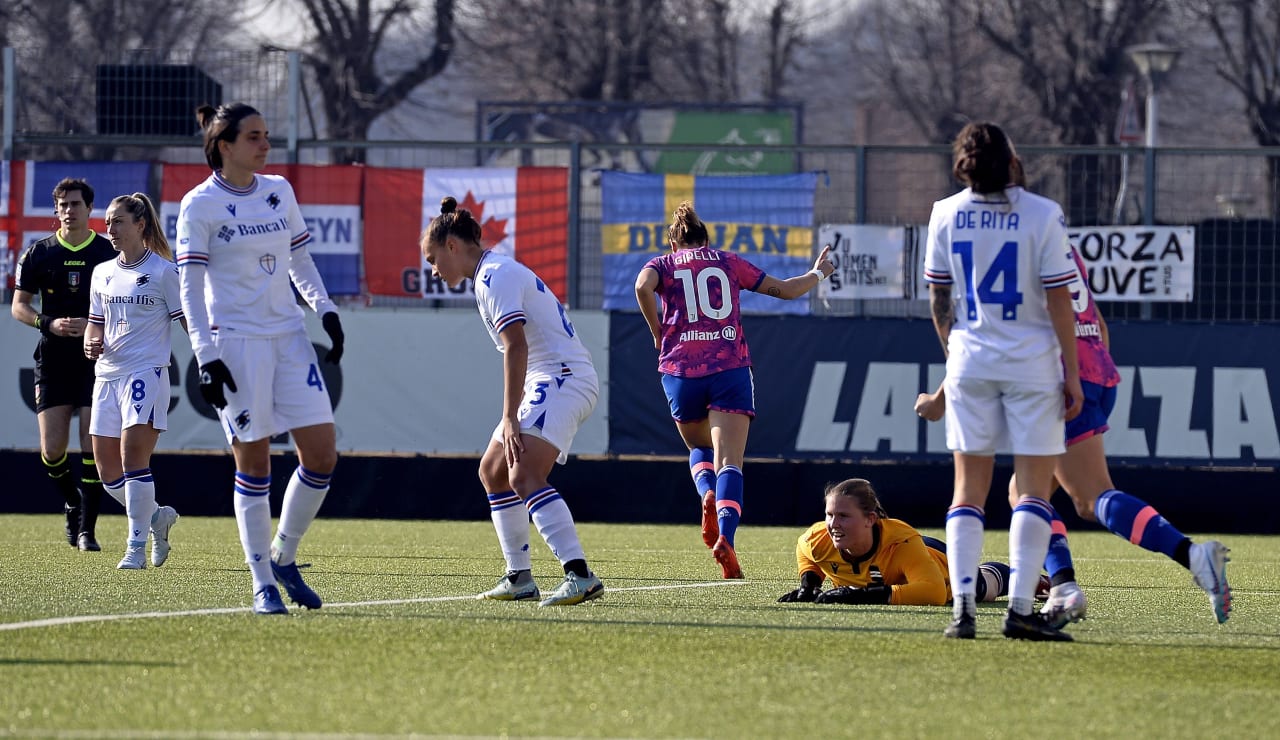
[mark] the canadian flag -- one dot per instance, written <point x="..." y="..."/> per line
<point x="522" y="211"/>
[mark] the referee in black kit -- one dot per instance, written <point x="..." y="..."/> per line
<point x="57" y="268"/>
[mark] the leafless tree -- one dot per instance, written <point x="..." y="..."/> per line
<point x="59" y="43"/>
<point x="346" y="51"/>
<point x="1070" y="56"/>
<point x="1247" y="36"/>
<point x="1248" y="39"/>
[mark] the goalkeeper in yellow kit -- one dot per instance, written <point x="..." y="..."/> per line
<point x="872" y="559"/>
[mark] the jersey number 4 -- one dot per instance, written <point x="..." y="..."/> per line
<point x="1003" y="270"/>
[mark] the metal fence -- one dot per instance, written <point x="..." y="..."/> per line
<point x="1229" y="196"/>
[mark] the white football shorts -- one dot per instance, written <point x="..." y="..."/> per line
<point x="278" y="386"/>
<point x="989" y="416"/>
<point x="129" y="401"/>
<point x="557" y="400"/>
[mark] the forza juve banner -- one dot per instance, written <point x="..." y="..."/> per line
<point x="1138" y="263"/>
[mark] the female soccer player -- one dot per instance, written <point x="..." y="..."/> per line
<point x="872" y="559"/>
<point x="1007" y="340"/>
<point x="241" y="241"/>
<point x="132" y="301"/>
<point x="705" y="363"/>
<point x="549" y="388"/>
<point x="1083" y="473"/>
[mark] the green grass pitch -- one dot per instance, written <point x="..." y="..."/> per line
<point x="401" y="649"/>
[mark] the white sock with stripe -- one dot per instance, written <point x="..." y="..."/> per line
<point x="1030" y="528"/>
<point x="253" y="517"/>
<point x="140" y="504"/>
<point x="554" y="522"/>
<point x="511" y="522"/>
<point x="302" y="499"/>
<point x="965" y="528"/>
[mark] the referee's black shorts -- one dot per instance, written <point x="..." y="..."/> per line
<point x="64" y="376"/>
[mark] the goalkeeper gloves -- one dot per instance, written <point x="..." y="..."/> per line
<point x="810" y="587"/>
<point x="875" y="593"/>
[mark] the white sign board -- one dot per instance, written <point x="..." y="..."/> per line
<point x="869" y="260"/>
<point x="1138" y="263"/>
<point x="420" y="381"/>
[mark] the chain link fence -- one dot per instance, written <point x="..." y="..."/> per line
<point x="138" y="105"/>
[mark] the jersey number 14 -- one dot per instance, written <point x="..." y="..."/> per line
<point x="1003" y="270"/>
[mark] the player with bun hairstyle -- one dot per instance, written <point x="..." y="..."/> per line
<point x="241" y="252"/>
<point x="1007" y="340"/>
<point x="132" y="301"/>
<point x="549" y="388"/>
<point x="705" y="363"/>
<point x="1083" y="472"/>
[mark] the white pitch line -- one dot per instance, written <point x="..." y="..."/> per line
<point x="87" y="618"/>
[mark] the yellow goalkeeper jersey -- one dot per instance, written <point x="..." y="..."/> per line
<point x="917" y="573"/>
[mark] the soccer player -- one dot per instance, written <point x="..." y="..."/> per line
<point x="57" y="268"/>
<point x="1008" y="336"/>
<point x="132" y="301"/>
<point x="1083" y="473"/>
<point x="706" y="365"/>
<point x="872" y="559"/>
<point x="241" y="242"/>
<point x="549" y="388"/>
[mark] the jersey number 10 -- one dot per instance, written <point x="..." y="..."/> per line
<point x="697" y="294"/>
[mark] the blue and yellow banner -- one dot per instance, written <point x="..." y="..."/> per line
<point x="767" y="219"/>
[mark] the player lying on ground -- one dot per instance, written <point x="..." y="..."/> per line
<point x="872" y="559"/>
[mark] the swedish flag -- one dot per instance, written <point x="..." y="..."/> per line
<point x="766" y="218"/>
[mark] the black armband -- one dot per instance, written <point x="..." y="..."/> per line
<point x="45" y="324"/>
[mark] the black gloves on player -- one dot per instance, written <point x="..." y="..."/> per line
<point x="333" y="327"/>
<point x="804" y="593"/>
<point x="213" y="376"/>
<point x="874" y="593"/>
<point x="810" y="587"/>
<point x="852" y="595"/>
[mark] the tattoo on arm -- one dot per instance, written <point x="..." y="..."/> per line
<point x="773" y="291"/>
<point x="943" y="311"/>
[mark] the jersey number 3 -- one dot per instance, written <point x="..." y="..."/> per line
<point x="1003" y="269"/>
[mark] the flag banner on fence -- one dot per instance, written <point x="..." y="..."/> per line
<point x="522" y="211"/>
<point x="768" y="219"/>
<point x="871" y="261"/>
<point x="1138" y="263"/>
<point x="329" y="196"/>
<point x="6" y="255"/>
<point x="34" y="217"/>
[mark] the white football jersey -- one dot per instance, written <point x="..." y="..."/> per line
<point x="507" y="292"/>
<point x="247" y="238"/>
<point x="134" y="304"/>
<point x="1001" y="251"/>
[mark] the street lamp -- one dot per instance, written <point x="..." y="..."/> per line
<point x="1153" y="60"/>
